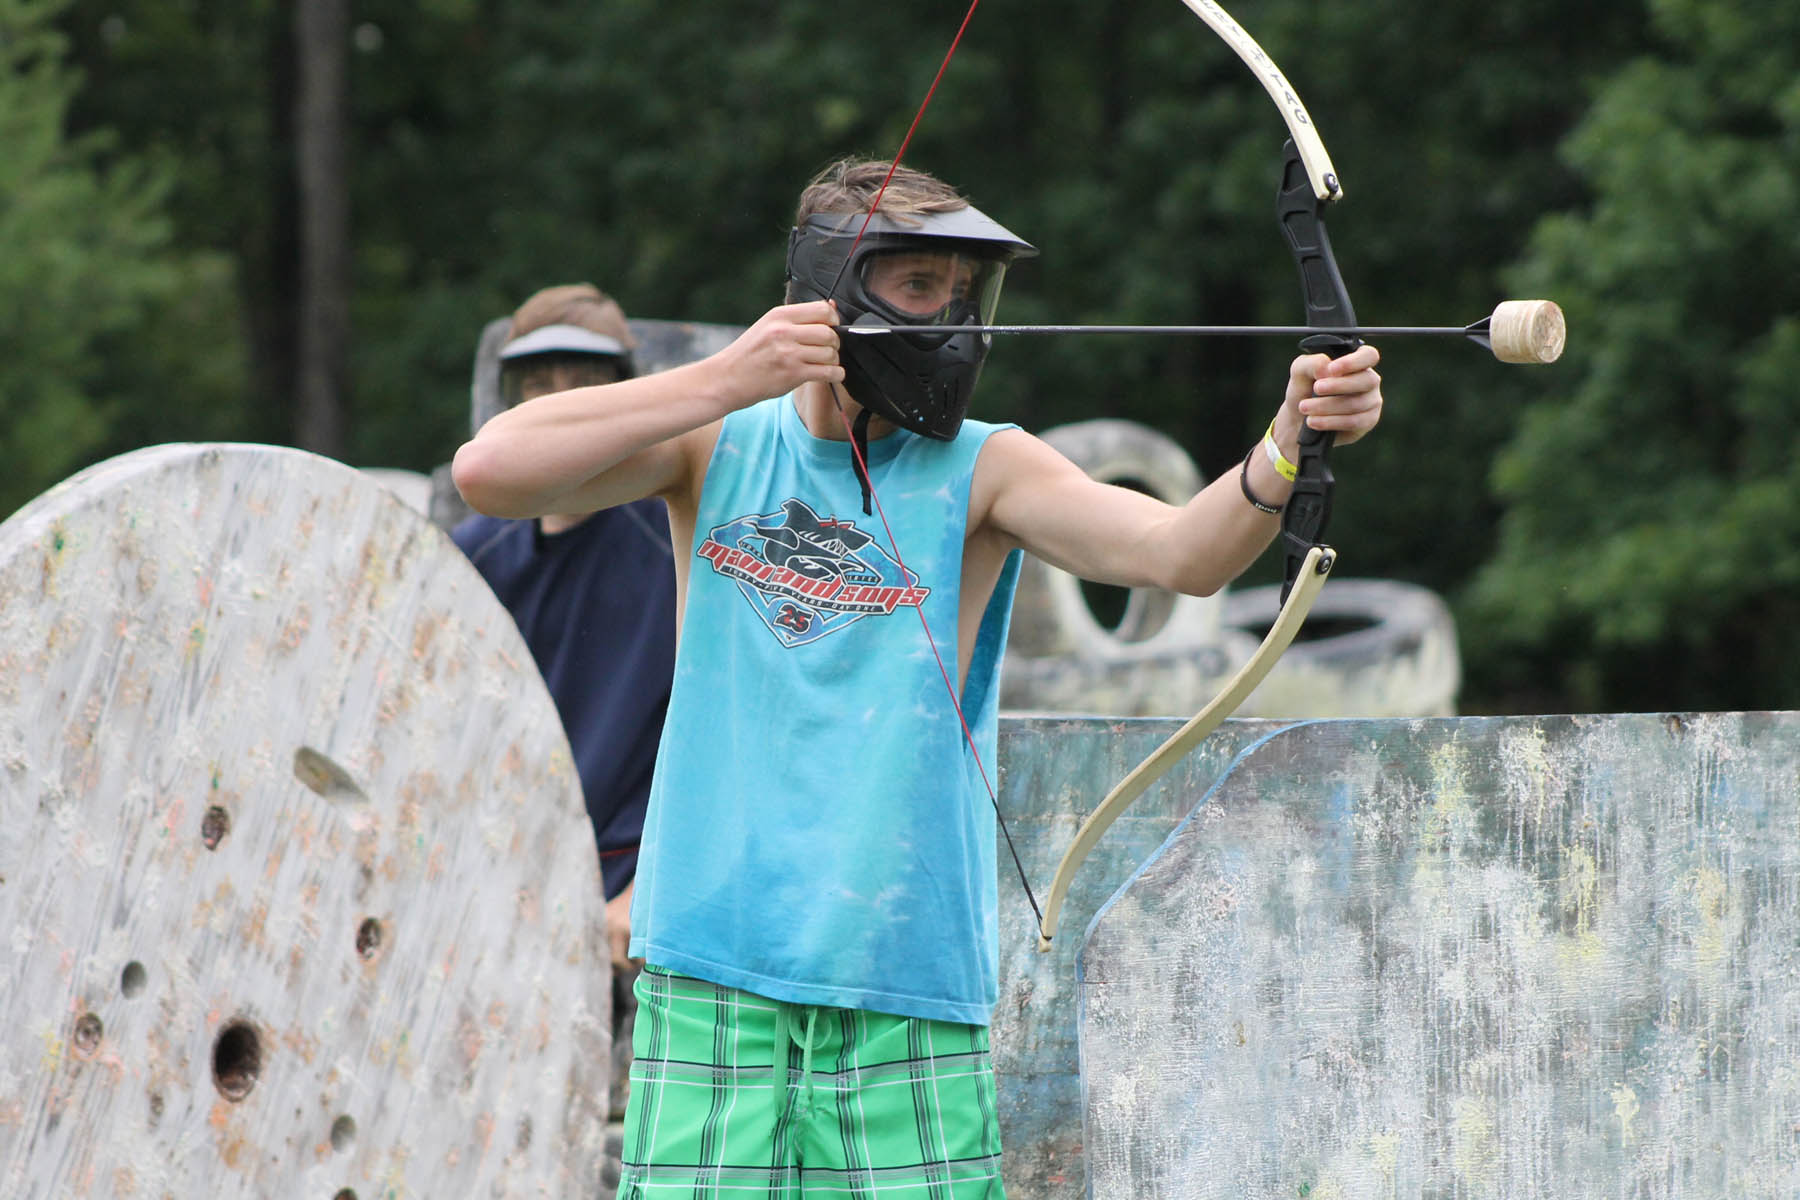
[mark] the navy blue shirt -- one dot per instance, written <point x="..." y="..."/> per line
<point x="596" y="605"/>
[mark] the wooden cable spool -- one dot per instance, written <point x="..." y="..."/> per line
<point x="298" y="894"/>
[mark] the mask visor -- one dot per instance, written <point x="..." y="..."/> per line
<point x="931" y="285"/>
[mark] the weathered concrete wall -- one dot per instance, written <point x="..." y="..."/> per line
<point x="1532" y="958"/>
<point x="297" y="892"/>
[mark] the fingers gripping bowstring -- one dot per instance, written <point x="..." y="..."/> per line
<point x="862" y="468"/>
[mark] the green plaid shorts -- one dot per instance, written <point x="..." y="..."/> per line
<point x="737" y="1096"/>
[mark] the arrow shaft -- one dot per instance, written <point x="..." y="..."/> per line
<point x="1177" y="330"/>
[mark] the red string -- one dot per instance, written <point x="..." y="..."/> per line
<point x="907" y="140"/>
<point x="863" y="466"/>
<point x="943" y="671"/>
<point x="949" y="685"/>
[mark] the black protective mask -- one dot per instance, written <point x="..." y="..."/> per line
<point x="926" y="269"/>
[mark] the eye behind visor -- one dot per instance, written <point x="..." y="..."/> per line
<point x="933" y="286"/>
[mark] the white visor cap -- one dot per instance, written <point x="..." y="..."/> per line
<point x="562" y="339"/>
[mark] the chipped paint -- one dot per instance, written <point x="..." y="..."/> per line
<point x="1051" y="771"/>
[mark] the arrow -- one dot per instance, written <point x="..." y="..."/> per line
<point x="1518" y="331"/>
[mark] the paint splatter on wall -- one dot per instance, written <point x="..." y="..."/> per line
<point x="1530" y="958"/>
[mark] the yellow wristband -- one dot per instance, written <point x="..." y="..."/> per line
<point x="1277" y="459"/>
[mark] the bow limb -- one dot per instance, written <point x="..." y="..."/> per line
<point x="1317" y="163"/>
<point x="1319" y="561"/>
<point x="1308" y="184"/>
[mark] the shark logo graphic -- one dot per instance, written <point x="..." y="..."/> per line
<point x="817" y="549"/>
<point x="808" y="576"/>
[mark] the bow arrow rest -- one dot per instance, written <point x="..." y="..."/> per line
<point x="1518" y="331"/>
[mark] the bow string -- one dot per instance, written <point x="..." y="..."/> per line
<point x="862" y="467"/>
<point x="1328" y="305"/>
<point x="1308" y="184"/>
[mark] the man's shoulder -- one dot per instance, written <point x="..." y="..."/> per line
<point x="991" y="441"/>
<point x="972" y="428"/>
<point x="1013" y="462"/>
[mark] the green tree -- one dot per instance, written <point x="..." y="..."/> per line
<point x="1651" y="541"/>
<point x="89" y="272"/>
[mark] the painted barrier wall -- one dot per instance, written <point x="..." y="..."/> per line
<point x="1533" y="958"/>
<point x="1052" y="771"/>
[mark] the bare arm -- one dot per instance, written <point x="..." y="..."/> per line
<point x="593" y="447"/>
<point x="1037" y="499"/>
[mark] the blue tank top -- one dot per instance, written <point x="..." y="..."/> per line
<point x="818" y="831"/>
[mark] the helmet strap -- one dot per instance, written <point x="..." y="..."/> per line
<point x="859" y="455"/>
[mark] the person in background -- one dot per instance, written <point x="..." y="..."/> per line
<point x="593" y="593"/>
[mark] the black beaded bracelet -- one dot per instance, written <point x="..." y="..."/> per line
<point x="1244" y="482"/>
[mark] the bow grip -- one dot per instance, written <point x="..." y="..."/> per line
<point x="1300" y="213"/>
<point x="1308" y="508"/>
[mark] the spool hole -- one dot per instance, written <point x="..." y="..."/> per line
<point x="325" y="777"/>
<point x="88" y="1032"/>
<point x="133" y="978"/>
<point x="368" y="938"/>
<point x="237" y="1060"/>
<point x="214" y="826"/>
<point x="343" y="1133"/>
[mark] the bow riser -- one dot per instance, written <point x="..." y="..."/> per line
<point x="1301" y="215"/>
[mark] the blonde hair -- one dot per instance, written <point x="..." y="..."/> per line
<point x="851" y="185"/>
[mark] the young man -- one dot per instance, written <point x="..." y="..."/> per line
<point x="593" y="593"/>
<point x="817" y="895"/>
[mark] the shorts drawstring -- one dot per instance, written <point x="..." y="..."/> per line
<point x="784" y="1037"/>
<point x="869" y="1098"/>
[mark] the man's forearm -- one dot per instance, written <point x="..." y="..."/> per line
<point x="547" y="453"/>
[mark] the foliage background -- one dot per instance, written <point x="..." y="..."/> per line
<point x="1616" y="532"/>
